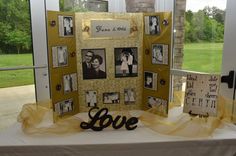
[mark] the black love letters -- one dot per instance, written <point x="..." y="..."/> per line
<point x="102" y="120"/>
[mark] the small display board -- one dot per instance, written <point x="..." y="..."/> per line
<point x="62" y="64"/>
<point x="157" y="34"/>
<point x="201" y="94"/>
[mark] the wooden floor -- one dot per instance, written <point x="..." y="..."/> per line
<point x="11" y="101"/>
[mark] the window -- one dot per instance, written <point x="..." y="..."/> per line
<point x="16" y="60"/>
<point x="15" y="43"/>
<point x="198" y="39"/>
<point x="204" y="35"/>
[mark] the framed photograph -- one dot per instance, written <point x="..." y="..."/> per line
<point x="70" y="82"/>
<point x="93" y="63"/>
<point x="126" y="62"/>
<point x="66" y="28"/>
<point x="152" y="25"/>
<point x="160" y="54"/>
<point x="150" y="80"/>
<point x="91" y="98"/>
<point x="160" y="104"/>
<point x="64" y="107"/>
<point x="130" y="96"/>
<point x="111" y="98"/>
<point x="59" y="56"/>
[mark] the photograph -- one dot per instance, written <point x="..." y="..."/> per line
<point x="91" y="98"/>
<point x="64" y="106"/>
<point x="150" y="80"/>
<point x="65" y="26"/>
<point x="93" y="63"/>
<point x="160" y="54"/>
<point x="126" y="62"/>
<point x="129" y="96"/>
<point x="70" y="82"/>
<point x="59" y="56"/>
<point x="152" y="25"/>
<point x="111" y="98"/>
<point x="159" y="104"/>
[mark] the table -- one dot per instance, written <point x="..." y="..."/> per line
<point x="142" y="141"/>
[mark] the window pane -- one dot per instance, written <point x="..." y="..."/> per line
<point x="15" y="34"/>
<point x="199" y="35"/>
<point x="198" y="39"/>
<point x="15" y="51"/>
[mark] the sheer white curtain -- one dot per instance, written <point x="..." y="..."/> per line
<point x="164" y="5"/>
<point x="116" y="6"/>
<point x="160" y="5"/>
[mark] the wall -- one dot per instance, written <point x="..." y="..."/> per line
<point x="179" y="15"/>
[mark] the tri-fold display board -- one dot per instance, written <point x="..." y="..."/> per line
<point x="120" y="61"/>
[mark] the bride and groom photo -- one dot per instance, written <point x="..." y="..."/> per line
<point x="126" y="64"/>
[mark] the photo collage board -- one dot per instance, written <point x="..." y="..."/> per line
<point x="108" y="62"/>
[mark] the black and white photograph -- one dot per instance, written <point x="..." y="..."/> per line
<point x="159" y="104"/>
<point x="150" y="80"/>
<point x="126" y="62"/>
<point x="129" y="96"/>
<point x="59" y="56"/>
<point x="91" y="98"/>
<point x="160" y="54"/>
<point x="70" y="83"/>
<point x="111" y="98"/>
<point x="64" y="106"/>
<point x="93" y="63"/>
<point x="65" y="26"/>
<point x="152" y="25"/>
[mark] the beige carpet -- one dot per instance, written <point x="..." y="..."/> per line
<point x="11" y="101"/>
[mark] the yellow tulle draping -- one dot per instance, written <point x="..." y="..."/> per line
<point x="179" y="124"/>
<point x="33" y="115"/>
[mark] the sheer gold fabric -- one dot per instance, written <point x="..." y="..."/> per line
<point x="32" y="115"/>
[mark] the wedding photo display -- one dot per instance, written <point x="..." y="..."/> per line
<point x="111" y="98"/>
<point x="152" y="25"/>
<point x="126" y="62"/>
<point x="94" y="63"/>
<point x="91" y="98"/>
<point x="59" y="56"/>
<point x="158" y="103"/>
<point x="70" y="82"/>
<point x="150" y="80"/>
<point x="129" y="96"/>
<point x="65" y="26"/>
<point x="160" y="54"/>
<point x="64" y="106"/>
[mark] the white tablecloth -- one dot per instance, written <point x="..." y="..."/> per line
<point x="141" y="141"/>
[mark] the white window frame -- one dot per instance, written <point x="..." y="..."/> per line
<point x="229" y="55"/>
<point x="39" y="38"/>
